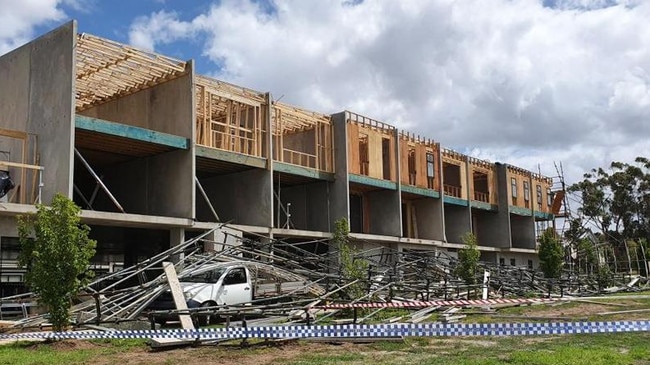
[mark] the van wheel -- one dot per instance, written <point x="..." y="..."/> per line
<point x="207" y="318"/>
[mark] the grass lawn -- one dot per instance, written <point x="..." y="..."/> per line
<point x="594" y="349"/>
<point x="609" y="349"/>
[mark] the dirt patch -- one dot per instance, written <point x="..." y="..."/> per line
<point x="566" y="310"/>
<point x="224" y="355"/>
<point x="450" y="342"/>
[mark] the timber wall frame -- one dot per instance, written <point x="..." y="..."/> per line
<point x="230" y="118"/>
<point x="454" y="165"/>
<point x="29" y="177"/>
<point x="302" y="137"/>
<point x="168" y="125"/>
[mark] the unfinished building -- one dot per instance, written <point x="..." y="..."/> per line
<point x="156" y="154"/>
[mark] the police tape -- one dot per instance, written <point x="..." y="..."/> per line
<point x="435" y="303"/>
<point x="351" y="331"/>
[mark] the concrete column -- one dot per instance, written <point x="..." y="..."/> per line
<point x="176" y="238"/>
<point x="398" y="162"/>
<point x="339" y="197"/>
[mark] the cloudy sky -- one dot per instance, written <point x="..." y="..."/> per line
<point x="527" y="82"/>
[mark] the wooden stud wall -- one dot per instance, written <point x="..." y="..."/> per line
<point x="546" y="183"/>
<point x="421" y="146"/>
<point x="311" y="137"/>
<point x="520" y="175"/>
<point x="26" y="190"/>
<point x="455" y="158"/>
<point x="360" y="127"/>
<point x="229" y="117"/>
<point x="487" y="168"/>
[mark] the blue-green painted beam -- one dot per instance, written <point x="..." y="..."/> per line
<point x="483" y="205"/>
<point x="233" y="157"/>
<point x="302" y="171"/>
<point x="128" y="131"/>
<point x="366" y="180"/>
<point x="456" y="201"/>
<point x="542" y="215"/>
<point x="420" y="191"/>
<point x="520" y="211"/>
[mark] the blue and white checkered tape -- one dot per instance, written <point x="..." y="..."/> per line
<point x="355" y="330"/>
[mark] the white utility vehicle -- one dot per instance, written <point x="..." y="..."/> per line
<point x="236" y="283"/>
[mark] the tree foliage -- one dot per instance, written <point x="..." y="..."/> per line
<point x="352" y="267"/>
<point x="551" y="254"/>
<point x="56" y="251"/>
<point x="468" y="258"/>
<point x="615" y="211"/>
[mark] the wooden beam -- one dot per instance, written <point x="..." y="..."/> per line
<point x="13" y="134"/>
<point x="177" y="293"/>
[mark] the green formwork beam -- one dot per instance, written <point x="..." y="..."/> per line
<point x="131" y="132"/>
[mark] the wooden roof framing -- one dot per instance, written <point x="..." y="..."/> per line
<point x="518" y="170"/>
<point x="287" y="119"/>
<point x="542" y="178"/>
<point x="229" y="91"/>
<point x="368" y="122"/>
<point x="480" y="163"/>
<point x="414" y="138"/>
<point x="106" y="69"/>
<point x="453" y="155"/>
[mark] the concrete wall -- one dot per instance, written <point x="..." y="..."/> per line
<point x="167" y="107"/>
<point x="243" y="198"/>
<point x="457" y="222"/>
<point x="339" y="189"/>
<point x="491" y="228"/>
<point x="490" y="257"/>
<point x="8" y="226"/>
<point x="154" y="185"/>
<point x="522" y="231"/>
<point x="429" y="218"/>
<point x="385" y="212"/>
<point x="162" y="184"/>
<point x="37" y="96"/>
<point x="309" y="208"/>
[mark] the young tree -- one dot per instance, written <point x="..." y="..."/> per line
<point x="551" y="254"/>
<point x="352" y="267"/>
<point x="468" y="258"/>
<point x="56" y="251"/>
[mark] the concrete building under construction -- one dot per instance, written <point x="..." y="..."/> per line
<point x="155" y="154"/>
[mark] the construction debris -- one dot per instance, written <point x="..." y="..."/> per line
<point x="293" y="284"/>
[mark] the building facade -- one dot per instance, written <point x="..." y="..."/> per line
<point x="155" y="154"/>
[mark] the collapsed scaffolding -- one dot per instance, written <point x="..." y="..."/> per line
<point x="392" y="276"/>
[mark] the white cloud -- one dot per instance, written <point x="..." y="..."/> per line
<point x="160" y="27"/>
<point x="524" y="83"/>
<point x="18" y="19"/>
